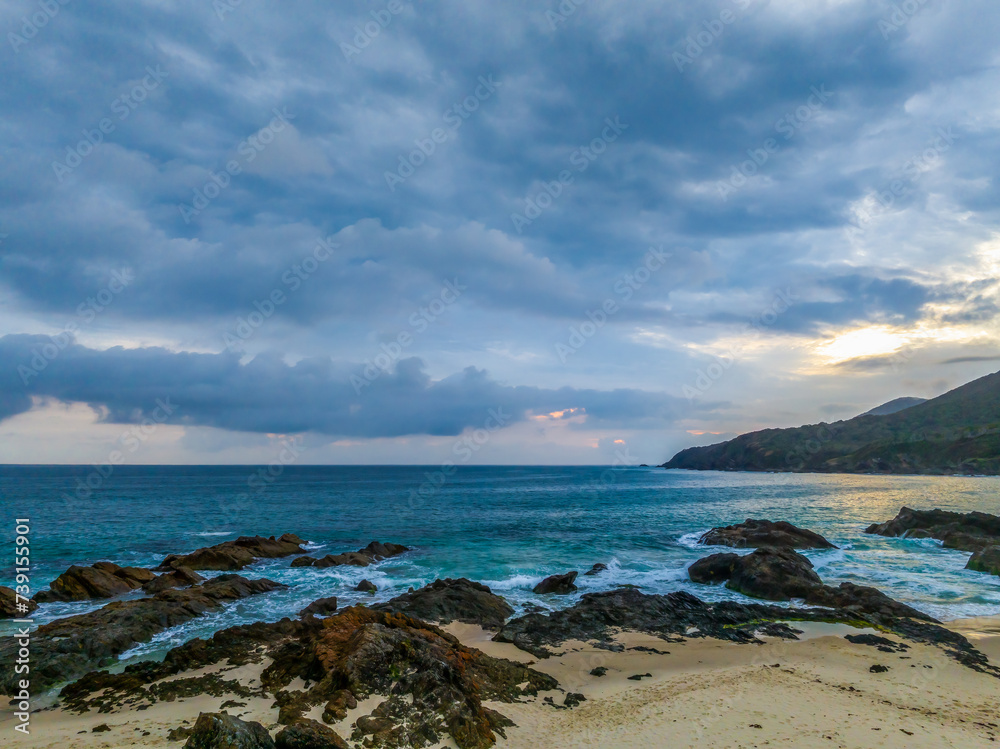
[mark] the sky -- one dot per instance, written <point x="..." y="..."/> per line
<point x="577" y="232"/>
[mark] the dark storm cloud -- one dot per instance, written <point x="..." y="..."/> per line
<point x="354" y="116"/>
<point x="266" y="395"/>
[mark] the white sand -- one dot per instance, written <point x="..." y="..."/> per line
<point x="816" y="692"/>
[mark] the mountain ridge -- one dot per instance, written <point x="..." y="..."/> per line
<point x="956" y="433"/>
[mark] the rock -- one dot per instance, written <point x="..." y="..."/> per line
<point x="877" y="669"/>
<point x="598" y="671"/>
<point x="756" y="533"/>
<point x="573" y="699"/>
<point x="366" y="586"/>
<point x="986" y="559"/>
<point x="179" y="734"/>
<point x="600" y="616"/>
<point x="373" y="552"/>
<point x="445" y="601"/>
<point x="101" y="728"/>
<point x="9" y="603"/>
<point x="969" y="532"/>
<point x="223" y="731"/>
<point x="68" y="648"/>
<point x="639" y="677"/>
<point x="864" y="600"/>
<point x="557" y="584"/>
<point x="432" y="688"/>
<point x="235" y="555"/>
<point x="336" y="709"/>
<point x="774" y="574"/>
<point x="882" y="643"/>
<point x="717" y="568"/>
<point x="780" y="574"/>
<point x="321" y="607"/>
<point x="309" y="734"/>
<point x="181" y="577"/>
<point x="596" y="569"/>
<point x="102" y="580"/>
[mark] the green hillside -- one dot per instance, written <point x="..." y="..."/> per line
<point x="958" y="432"/>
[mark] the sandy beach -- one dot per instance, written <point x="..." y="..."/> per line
<point x="818" y="691"/>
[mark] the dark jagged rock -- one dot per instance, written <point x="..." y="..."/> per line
<point x="102" y="580"/>
<point x="366" y="586"/>
<point x="449" y="600"/>
<point x="878" y="669"/>
<point x="774" y="574"/>
<point x="753" y="534"/>
<point x="309" y="734"/>
<point x="599" y="671"/>
<point x="558" y="584"/>
<point x="599" y="616"/>
<point x="884" y="644"/>
<point x="596" y="569"/>
<point x="181" y="577"/>
<point x="321" y="607"/>
<point x="223" y="731"/>
<point x="433" y="687"/>
<point x="970" y="532"/>
<point x="986" y="559"/>
<point x="784" y="574"/>
<point x="862" y="599"/>
<point x="67" y="648"/>
<point x="9" y="604"/>
<point x="717" y="568"/>
<point x="373" y="552"/>
<point x="235" y="555"/>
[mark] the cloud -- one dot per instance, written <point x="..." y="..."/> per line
<point x="267" y="395"/>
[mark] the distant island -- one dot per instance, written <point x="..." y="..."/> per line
<point x="955" y="433"/>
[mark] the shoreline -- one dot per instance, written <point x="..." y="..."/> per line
<point x="815" y="691"/>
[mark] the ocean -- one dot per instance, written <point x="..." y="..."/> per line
<point x="507" y="527"/>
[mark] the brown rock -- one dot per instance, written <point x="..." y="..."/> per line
<point x="445" y="601"/>
<point x="223" y="731"/>
<point x="86" y="583"/>
<point x="373" y="552"/>
<point x="753" y="534"/>
<point x="181" y="577"/>
<point x="986" y="559"/>
<point x="9" y="603"/>
<point x="235" y="555"/>
<point x="309" y="734"/>
<point x="557" y="584"/>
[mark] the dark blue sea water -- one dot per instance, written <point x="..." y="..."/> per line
<point x="505" y="526"/>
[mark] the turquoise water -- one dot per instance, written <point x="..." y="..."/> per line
<point x="505" y="526"/>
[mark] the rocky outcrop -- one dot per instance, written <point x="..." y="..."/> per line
<point x="309" y="734"/>
<point x="753" y="534"/>
<point x="102" y="580"/>
<point x="599" y="616"/>
<point x="774" y="575"/>
<point x="366" y="586"/>
<point x="784" y="574"/>
<point x="432" y="687"/>
<point x="596" y="569"/>
<point x="557" y="584"/>
<point x="863" y="599"/>
<point x="181" y="577"/>
<point x="9" y="605"/>
<point x="986" y="559"/>
<point x="321" y="607"/>
<point x="969" y="532"/>
<point x="373" y="552"/>
<point x="223" y="731"/>
<point x="445" y="601"/>
<point x="230" y="556"/>
<point x="67" y="648"/>
<point x="717" y="568"/>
